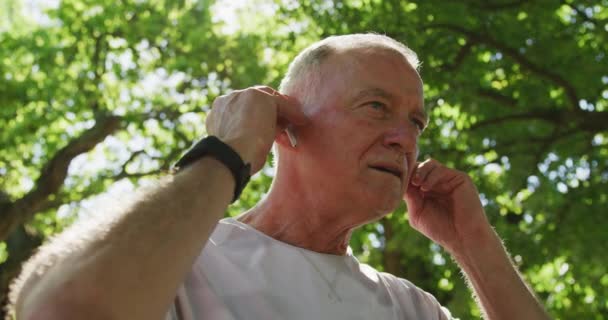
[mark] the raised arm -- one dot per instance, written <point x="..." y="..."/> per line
<point x="130" y="267"/>
<point x="443" y="204"/>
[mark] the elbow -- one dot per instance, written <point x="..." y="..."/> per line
<point x="61" y="309"/>
<point x="66" y="311"/>
<point x="36" y="301"/>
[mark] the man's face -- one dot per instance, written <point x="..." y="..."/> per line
<point x="362" y="145"/>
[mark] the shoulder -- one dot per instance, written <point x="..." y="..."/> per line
<point x="413" y="298"/>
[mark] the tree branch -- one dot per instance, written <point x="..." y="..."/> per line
<point x="53" y="175"/>
<point x="517" y="57"/>
<point x="548" y="116"/>
<point x="594" y="121"/>
<point x="125" y="174"/>
<point x="486" y="5"/>
<point x="497" y="97"/>
<point x="463" y="52"/>
<point x="59" y="199"/>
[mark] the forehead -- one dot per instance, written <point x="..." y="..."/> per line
<point x="358" y="74"/>
<point x="413" y="101"/>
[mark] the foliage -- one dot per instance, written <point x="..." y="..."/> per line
<point x="102" y="96"/>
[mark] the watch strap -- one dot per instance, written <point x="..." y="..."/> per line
<point x="213" y="147"/>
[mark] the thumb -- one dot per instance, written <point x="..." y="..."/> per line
<point x="413" y="198"/>
<point x="290" y="109"/>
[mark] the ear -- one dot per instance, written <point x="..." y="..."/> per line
<point x="282" y="138"/>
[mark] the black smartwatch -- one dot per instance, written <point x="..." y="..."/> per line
<point x="213" y="147"/>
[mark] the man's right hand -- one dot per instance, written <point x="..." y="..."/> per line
<point x="249" y="120"/>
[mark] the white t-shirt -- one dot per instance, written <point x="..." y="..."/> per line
<point x="245" y="274"/>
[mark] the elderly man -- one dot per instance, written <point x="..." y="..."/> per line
<point x="346" y="124"/>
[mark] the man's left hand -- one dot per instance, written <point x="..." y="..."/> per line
<point x="444" y="205"/>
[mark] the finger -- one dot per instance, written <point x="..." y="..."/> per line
<point x="422" y="170"/>
<point x="266" y="89"/>
<point x="413" y="196"/>
<point x="435" y="174"/>
<point x="289" y="108"/>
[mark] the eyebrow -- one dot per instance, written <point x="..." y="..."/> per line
<point x="377" y="92"/>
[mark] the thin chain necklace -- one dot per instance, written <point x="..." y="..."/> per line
<point x="331" y="285"/>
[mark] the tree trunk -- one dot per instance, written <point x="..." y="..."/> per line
<point x="390" y="256"/>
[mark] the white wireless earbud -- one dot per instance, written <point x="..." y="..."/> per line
<point x="292" y="136"/>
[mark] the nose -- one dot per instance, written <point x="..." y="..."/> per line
<point x="402" y="138"/>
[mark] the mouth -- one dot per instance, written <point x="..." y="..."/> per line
<point x="392" y="171"/>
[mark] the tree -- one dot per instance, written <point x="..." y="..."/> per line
<point x="105" y="95"/>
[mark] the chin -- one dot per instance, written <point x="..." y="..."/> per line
<point x="383" y="205"/>
<point x="375" y="214"/>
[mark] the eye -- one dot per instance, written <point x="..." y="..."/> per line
<point x="418" y="123"/>
<point x="377" y="105"/>
<point x="375" y="109"/>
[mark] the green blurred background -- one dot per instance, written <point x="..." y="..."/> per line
<point x="98" y="98"/>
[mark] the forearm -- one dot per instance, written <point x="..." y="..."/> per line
<point x="133" y="271"/>
<point x="501" y="292"/>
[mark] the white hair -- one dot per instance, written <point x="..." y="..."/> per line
<point x="305" y="75"/>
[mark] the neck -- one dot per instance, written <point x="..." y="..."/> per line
<point x="292" y="215"/>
